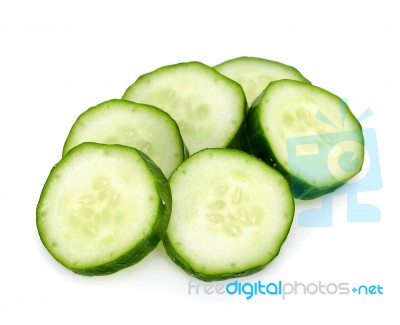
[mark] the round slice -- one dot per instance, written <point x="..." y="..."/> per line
<point x="141" y="126"/>
<point x="307" y="133"/>
<point x="254" y="74"/>
<point x="103" y="208"/>
<point x="208" y="107"/>
<point x="230" y="216"/>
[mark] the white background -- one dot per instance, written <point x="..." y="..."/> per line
<point x="58" y="58"/>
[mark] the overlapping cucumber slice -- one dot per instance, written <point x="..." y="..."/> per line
<point x="208" y="107"/>
<point x="230" y="216"/>
<point x="254" y="74"/>
<point x="103" y="208"/>
<point x="308" y="134"/>
<point x="140" y="126"/>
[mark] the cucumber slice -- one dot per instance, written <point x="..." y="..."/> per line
<point x="254" y="74"/>
<point x="208" y="107"/>
<point x="144" y="127"/>
<point x="103" y="208"/>
<point x="307" y="133"/>
<point x="230" y="216"/>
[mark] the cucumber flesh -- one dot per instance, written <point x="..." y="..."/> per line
<point x="103" y="208"/>
<point x="144" y="127"/>
<point x="208" y="107"/>
<point x="307" y="133"/>
<point x="230" y="216"/>
<point x="254" y="74"/>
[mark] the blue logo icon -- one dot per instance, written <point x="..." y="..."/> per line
<point x="340" y="145"/>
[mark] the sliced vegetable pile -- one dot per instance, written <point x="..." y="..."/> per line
<point x="125" y="181"/>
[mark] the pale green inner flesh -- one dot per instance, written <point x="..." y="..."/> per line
<point x="231" y="212"/>
<point x="254" y="74"/>
<point x="97" y="207"/>
<point x="131" y="124"/>
<point x="208" y="109"/>
<point x="312" y="133"/>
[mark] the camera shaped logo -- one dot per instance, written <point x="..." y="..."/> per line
<point x="328" y="157"/>
<point x="335" y="157"/>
